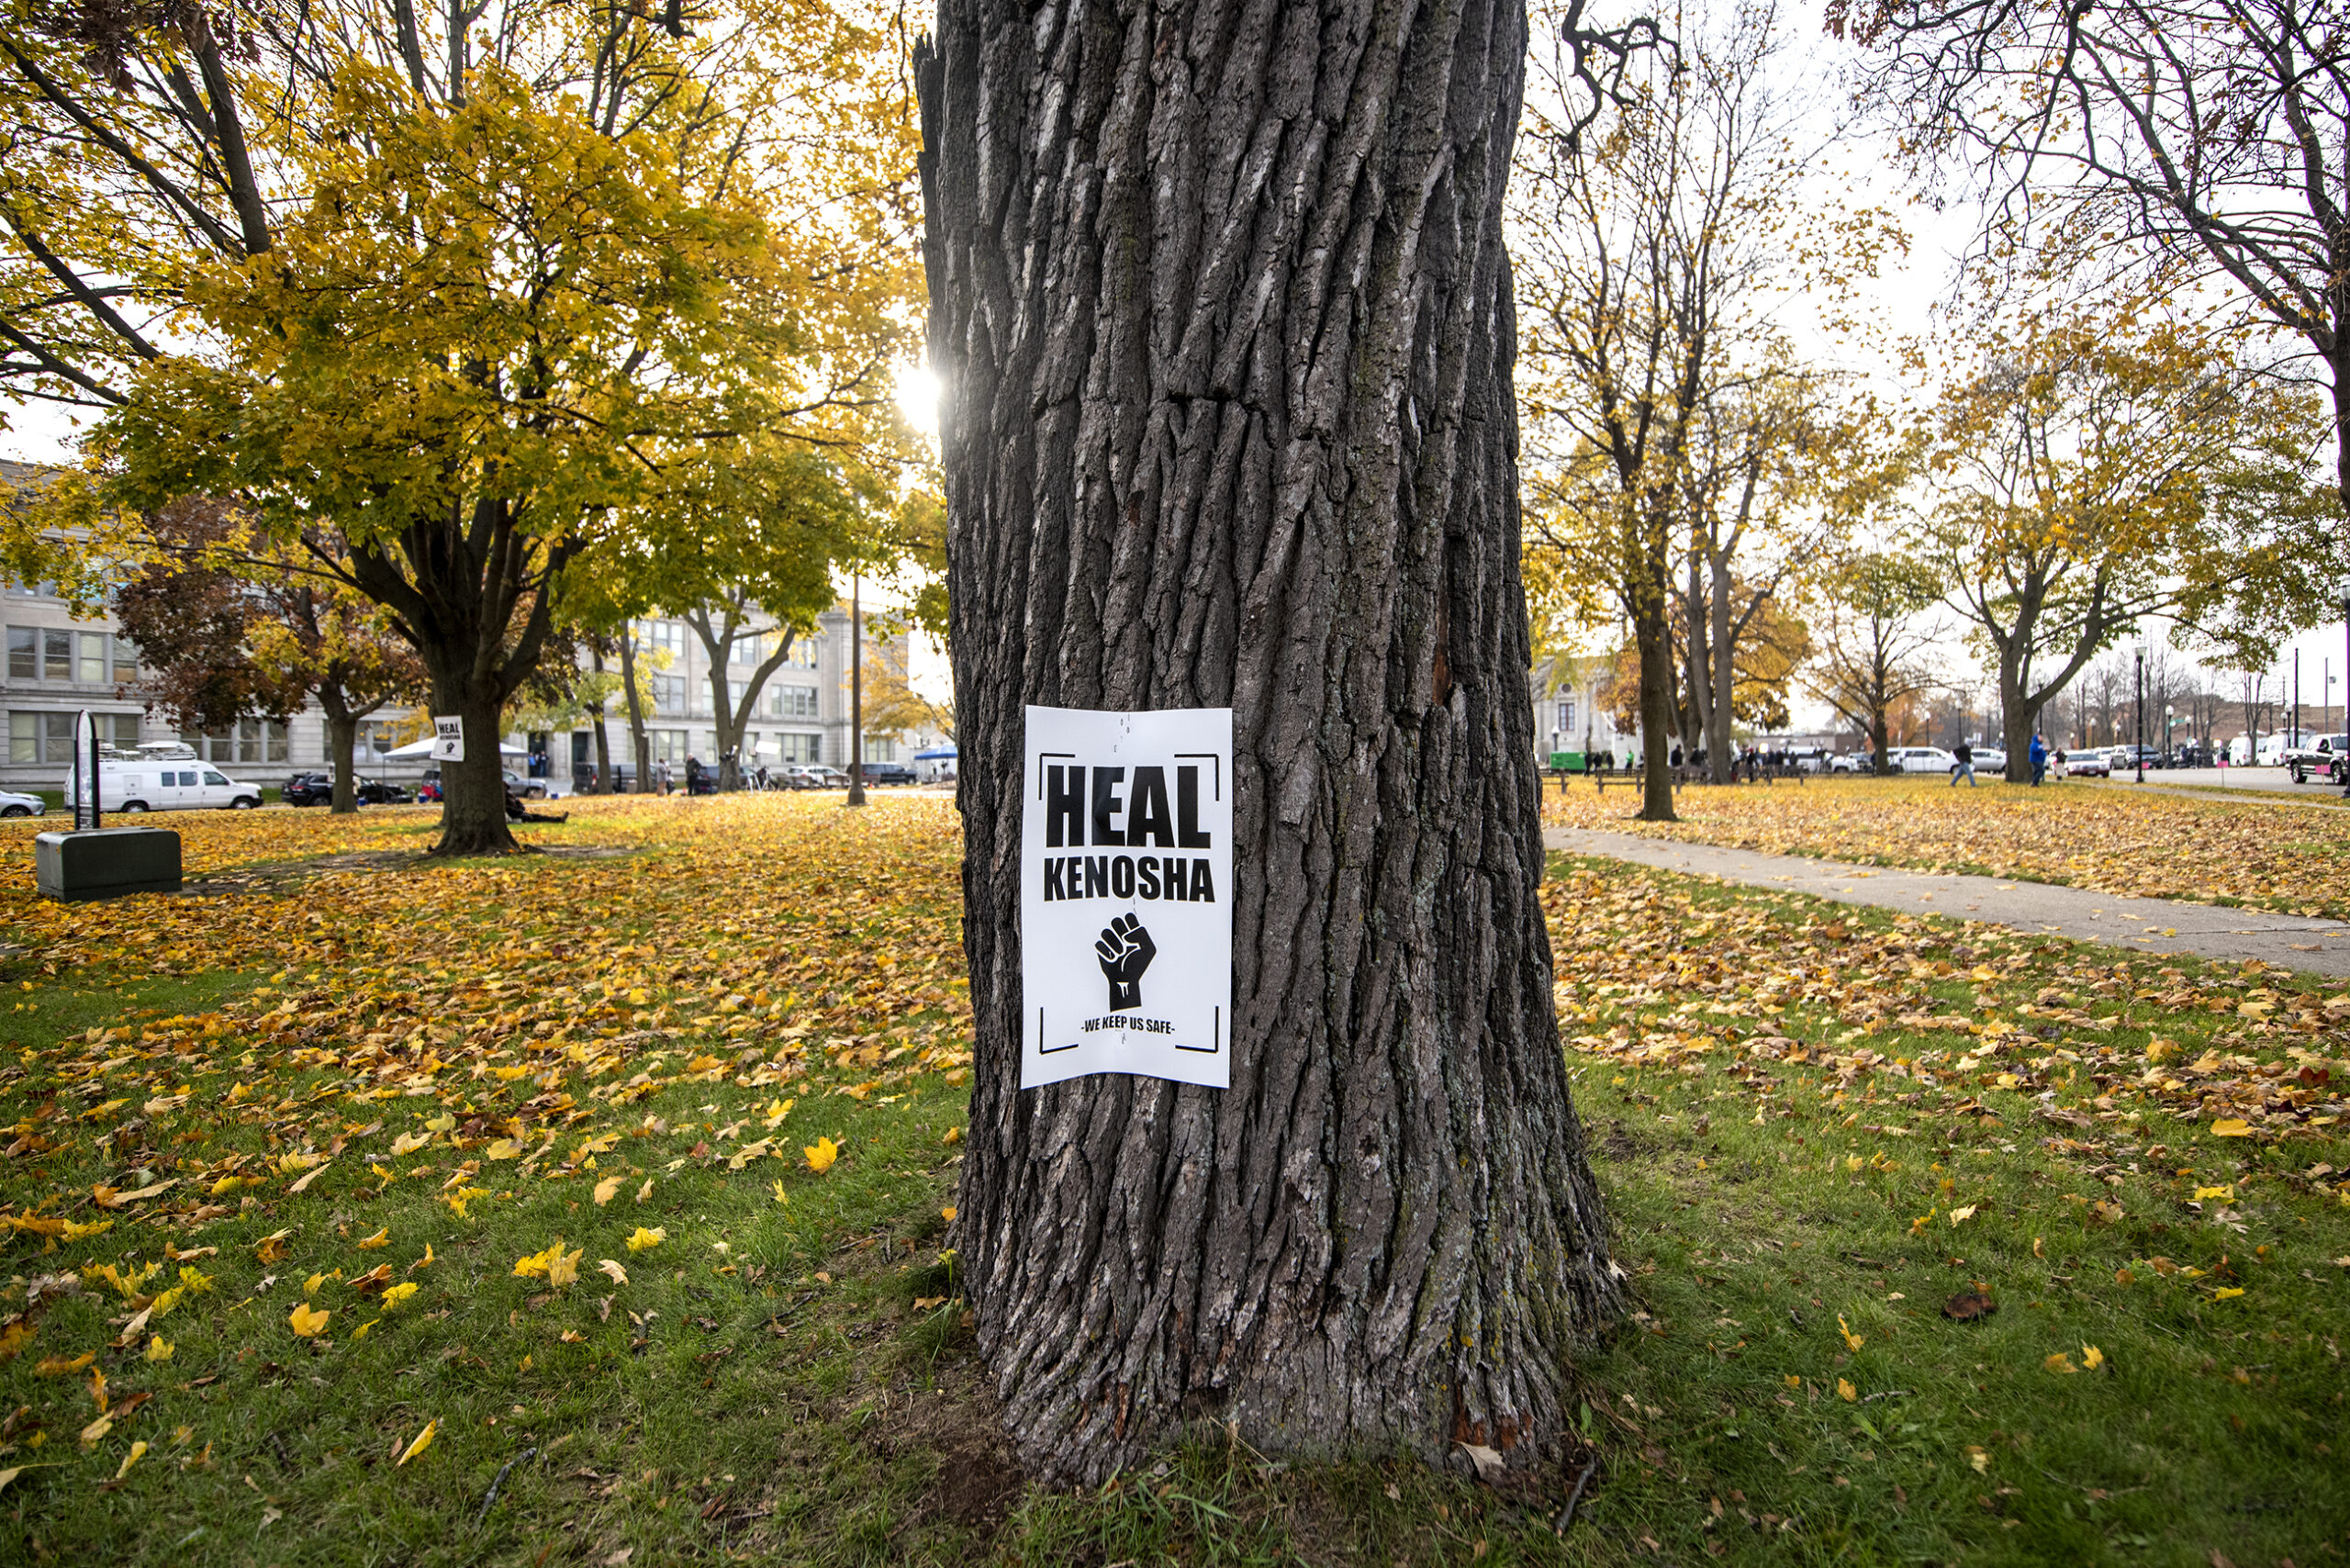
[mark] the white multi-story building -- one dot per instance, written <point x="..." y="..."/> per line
<point x="1570" y="715"/>
<point x="802" y="713"/>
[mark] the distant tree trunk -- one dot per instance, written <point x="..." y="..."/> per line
<point x="1219" y="297"/>
<point x="639" y="740"/>
<point x="1722" y="671"/>
<point x="1652" y="636"/>
<point x="1696" y="669"/>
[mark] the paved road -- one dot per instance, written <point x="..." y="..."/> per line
<point x="2146" y="925"/>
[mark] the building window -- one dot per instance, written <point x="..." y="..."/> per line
<point x="665" y="636"/>
<point x="95" y="663"/>
<point x="119" y="730"/>
<point x="792" y="702"/>
<point x="42" y="737"/>
<point x="24" y="653"/>
<point x="797" y="747"/>
<point x="668" y="693"/>
<point x="56" y="654"/>
<point x="248" y="741"/>
<point x="880" y="748"/>
<point x="667" y="745"/>
<point x="803" y="653"/>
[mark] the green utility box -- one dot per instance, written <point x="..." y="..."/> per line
<point x="105" y="863"/>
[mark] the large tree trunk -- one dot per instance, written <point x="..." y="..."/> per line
<point x="1219" y="299"/>
<point x="472" y="792"/>
<point x="342" y="730"/>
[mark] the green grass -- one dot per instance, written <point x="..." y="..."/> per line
<point x="791" y="1380"/>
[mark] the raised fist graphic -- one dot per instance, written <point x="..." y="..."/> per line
<point x="1126" y="950"/>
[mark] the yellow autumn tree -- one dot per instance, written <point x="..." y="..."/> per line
<point x="480" y="299"/>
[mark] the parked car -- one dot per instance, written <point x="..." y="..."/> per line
<point x="2326" y="759"/>
<point x="1990" y="759"/>
<point x="1851" y="762"/>
<point x="2088" y="764"/>
<point x="16" y="804"/>
<point x="1920" y="759"/>
<point x="317" y="789"/>
<point x="888" y="773"/>
<point x="173" y="785"/>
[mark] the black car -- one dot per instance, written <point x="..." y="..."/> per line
<point x="317" y="789"/>
<point x="887" y="773"/>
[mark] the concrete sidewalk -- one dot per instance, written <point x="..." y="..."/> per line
<point x="2145" y="925"/>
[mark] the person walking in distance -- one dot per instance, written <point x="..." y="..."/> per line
<point x="1965" y="755"/>
<point x="2038" y="754"/>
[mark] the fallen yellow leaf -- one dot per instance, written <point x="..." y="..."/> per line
<point x="381" y="1239"/>
<point x="398" y="1294"/>
<point x="1845" y="1391"/>
<point x="644" y="1239"/>
<point x="2091" y="1356"/>
<point x="2230" y="1126"/>
<point x="138" y="1451"/>
<point x="423" y="1441"/>
<point x="159" y="1349"/>
<point x="821" y="1155"/>
<point x="2060" y="1363"/>
<point x="309" y="1320"/>
<point x="1851" y="1341"/>
<point x="613" y="1272"/>
<point x="605" y="1189"/>
<point x="1960" y="1216"/>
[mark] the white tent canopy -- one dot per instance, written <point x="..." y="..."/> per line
<point x="415" y="749"/>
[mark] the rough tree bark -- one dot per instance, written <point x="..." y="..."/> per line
<point x="1220" y="308"/>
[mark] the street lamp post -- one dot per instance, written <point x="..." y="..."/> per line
<point x="2138" y="747"/>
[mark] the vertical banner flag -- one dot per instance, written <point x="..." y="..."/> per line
<point x="1125" y="895"/>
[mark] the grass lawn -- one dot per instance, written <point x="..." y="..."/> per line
<point x="570" y="1101"/>
<point x="2256" y="852"/>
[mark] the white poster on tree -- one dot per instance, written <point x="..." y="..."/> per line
<point x="1125" y="906"/>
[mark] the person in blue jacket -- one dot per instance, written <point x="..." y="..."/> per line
<point x="2039" y="758"/>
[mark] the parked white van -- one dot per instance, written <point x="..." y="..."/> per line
<point x="168" y="784"/>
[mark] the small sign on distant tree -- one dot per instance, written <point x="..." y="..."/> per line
<point x="1126" y="895"/>
<point x="448" y="739"/>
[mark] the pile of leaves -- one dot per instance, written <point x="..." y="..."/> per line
<point x="2103" y="837"/>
